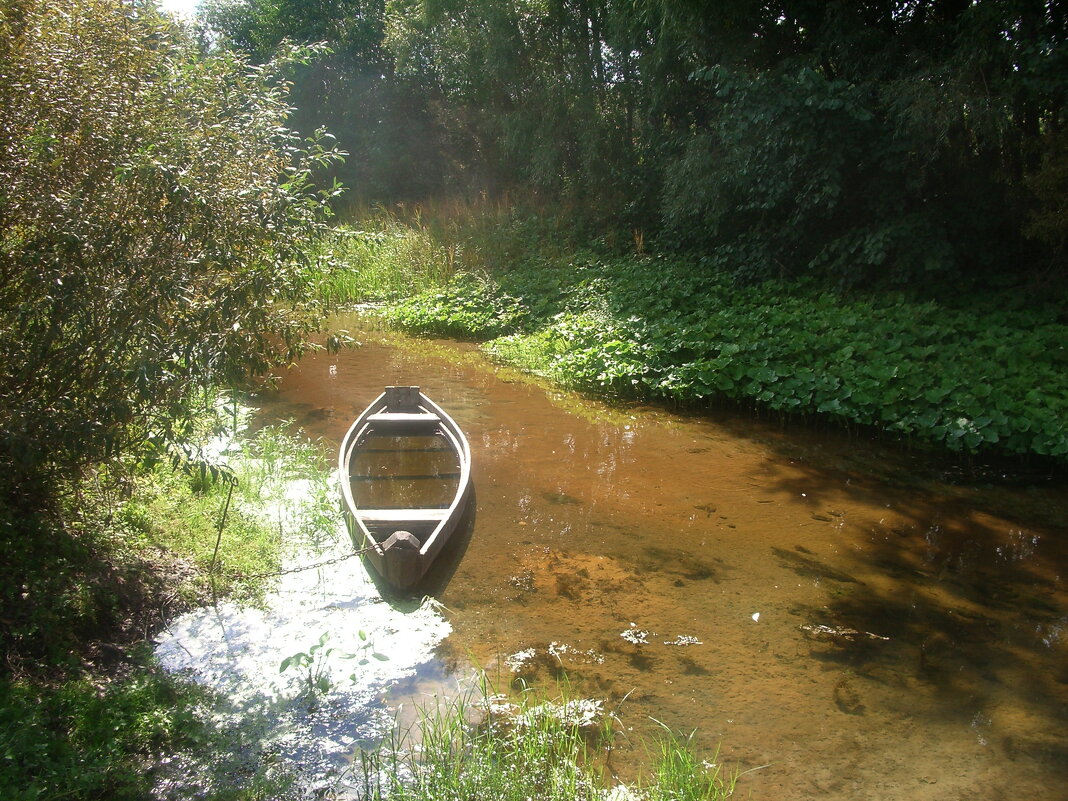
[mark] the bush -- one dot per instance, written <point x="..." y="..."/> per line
<point x="155" y="214"/>
<point x="469" y="307"/>
<point x="797" y="173"/>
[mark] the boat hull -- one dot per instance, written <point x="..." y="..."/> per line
<point x="405" y="470"/>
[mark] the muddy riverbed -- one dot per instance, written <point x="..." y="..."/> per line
<point x="828" y="612"/>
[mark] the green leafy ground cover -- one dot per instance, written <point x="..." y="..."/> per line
<point x="970" y="373"/>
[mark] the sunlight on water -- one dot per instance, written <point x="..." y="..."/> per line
<point x="827" y="613"/>
<point x="357" y="647"/>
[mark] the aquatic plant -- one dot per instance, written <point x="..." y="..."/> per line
<point x="527" y="747"/>
<point x="519" y="661"/>
<point x="684" y="639"/>
<point x="314" y="665"/>
<point x="682" y="776"/>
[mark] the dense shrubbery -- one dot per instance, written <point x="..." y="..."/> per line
<point x="155" y="216"/>
<point x="798" y="173"/>
<point x="154" y="227"/>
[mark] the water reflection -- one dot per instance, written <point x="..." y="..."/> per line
<point x="309" y="718"/>
<point x="869" y="632"/>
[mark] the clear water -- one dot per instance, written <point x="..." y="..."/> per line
<point x="835" y="616"/>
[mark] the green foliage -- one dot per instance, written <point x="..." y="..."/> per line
<point x="920" y="369"/>
<point x="156" y="218"/>
<point x="1049" y="182"/>
<point x="80" y="740"/>
<point x="470" y="306"/>
<point x="178" y="515"/>
<point x="681" y="776"/>
<point x="133" y="544"/>
<point x="58" y="591"/>
<point x="314" y="664"/>
<point x="383" y="261"/>
<point x="85" y="737"/>
<point x="536" y="748"/>
<point x="351" y="87"/>
<point x="538" y="352"/>
<point x="798" y="173"/>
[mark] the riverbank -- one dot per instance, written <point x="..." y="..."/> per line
<point x="85" y="710"/>
<point x="968" y="370"/>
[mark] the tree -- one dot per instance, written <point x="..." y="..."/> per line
<point x="155" y="212"/>
<point x="877" y="141"/>
<point x="863" y="140"/>
<point x="350" y="87"/>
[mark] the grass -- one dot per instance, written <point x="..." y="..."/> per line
<point x="83" y="740"/>
<point x="530" y="747"/>
<point x="228" y="530"/>
<point x="84" y="711"/>
<point x="380" y="262"/>
<point x="89" y="737"/>
<point x="390" y="254"/>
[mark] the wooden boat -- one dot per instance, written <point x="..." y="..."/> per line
<point x="405" y="471"/>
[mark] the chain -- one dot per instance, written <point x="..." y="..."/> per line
<point x="316" y="565"/>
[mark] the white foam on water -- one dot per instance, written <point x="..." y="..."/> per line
<point x="238" y="652"/>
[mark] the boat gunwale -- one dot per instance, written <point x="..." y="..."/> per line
<point x="458" y="441"/>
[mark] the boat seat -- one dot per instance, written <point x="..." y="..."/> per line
<point x="402" y="515"/>
<point x="403" y="417"/>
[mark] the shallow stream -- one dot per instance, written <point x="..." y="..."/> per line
<point x="840" y="617"/>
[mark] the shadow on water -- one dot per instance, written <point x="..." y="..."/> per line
<point x="957" y="609"/>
